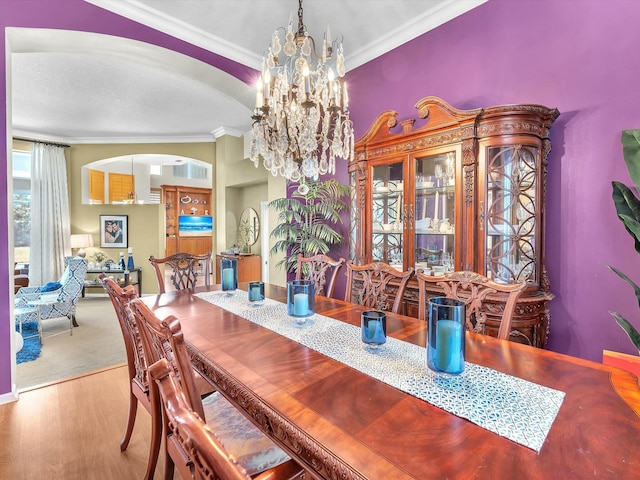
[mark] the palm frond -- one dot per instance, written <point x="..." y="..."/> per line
<point x="306" y="222"/>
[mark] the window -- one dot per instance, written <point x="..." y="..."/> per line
<point x="121" y="185"/>
<point x="21" y="205"/>
<point x="96" y="186"/>
<point x="190" y="170"/>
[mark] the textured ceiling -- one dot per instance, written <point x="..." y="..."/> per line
<point x="87" y="88"/>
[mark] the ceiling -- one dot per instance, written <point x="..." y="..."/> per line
<point x="79" y="87"/>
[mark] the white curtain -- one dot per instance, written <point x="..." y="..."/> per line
<point x="50" y="223"/>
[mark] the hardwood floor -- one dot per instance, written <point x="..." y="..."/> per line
<point x="72" y="430"/>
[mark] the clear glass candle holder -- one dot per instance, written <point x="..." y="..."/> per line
<point x="300" y="299"/>
<point x="446" y="335"/>
<point x="229" y="275"/>
<point x="255" y="292"/>
<point x="374" y="328"/>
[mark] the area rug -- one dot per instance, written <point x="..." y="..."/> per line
<point x="31" y="348"/>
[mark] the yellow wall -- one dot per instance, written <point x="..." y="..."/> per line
<point x="146" y="222"/>
<point x="239" y="184"/>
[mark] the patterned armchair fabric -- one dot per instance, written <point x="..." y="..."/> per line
<point x="71" y="282"/>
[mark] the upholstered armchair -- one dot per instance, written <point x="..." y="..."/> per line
<point x="67" y="291"/>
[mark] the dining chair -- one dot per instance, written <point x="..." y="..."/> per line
<point x="138" y="369"/>
<point x="195" y="449"/>
<point x="186" y="269"/>
<point x="374" y="284"/>
<point x="254" y="450"/>
<point x="321" y="270"/>
<point x="473" y="289"/>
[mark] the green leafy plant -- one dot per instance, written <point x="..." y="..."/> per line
<point x="245" y="234"/>
<point x="306" y="221"/>
<point x="628" y="209"/>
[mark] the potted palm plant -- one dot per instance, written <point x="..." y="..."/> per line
<point x="307" y="220"/>
<point x="628" y="210"/>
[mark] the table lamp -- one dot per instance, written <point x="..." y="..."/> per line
<point x="81" y="241"/>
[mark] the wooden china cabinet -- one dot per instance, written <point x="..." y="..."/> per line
<point x="462" y="190"/>
<point x="194" y="202"/>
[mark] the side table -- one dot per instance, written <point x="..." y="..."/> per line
<point x="131" y="276"/>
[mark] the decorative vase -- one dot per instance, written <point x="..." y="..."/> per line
<point x="300" y="299"/>
<point x="229" y="275"/>
<point x="446" y="337"/>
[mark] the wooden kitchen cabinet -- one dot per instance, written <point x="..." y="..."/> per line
<point x="249" y="267"/>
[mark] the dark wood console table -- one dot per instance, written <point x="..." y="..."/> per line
<point x="122" y="277"/>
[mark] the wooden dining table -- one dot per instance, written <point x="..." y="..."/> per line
<point x="340" y="423"/>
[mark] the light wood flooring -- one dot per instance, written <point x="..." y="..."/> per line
<point x="72" y="430"/>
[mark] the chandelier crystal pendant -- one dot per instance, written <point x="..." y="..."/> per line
<point x="301" y="120"/>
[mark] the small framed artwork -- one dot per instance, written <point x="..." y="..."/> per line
<point x="114" y="231"/>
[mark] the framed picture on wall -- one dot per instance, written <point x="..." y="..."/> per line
<point x="114" y="231"/>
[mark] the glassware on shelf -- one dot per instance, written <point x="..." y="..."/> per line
<point x="447" y="262"/>
<point x="450" y="170"/>
<point x="439" y="174"/>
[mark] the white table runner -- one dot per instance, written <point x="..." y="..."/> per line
<point x="514" y="408"/>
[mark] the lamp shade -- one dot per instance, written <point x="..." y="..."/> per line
<point x="81" y="240"/>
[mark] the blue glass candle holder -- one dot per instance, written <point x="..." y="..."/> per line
<point x="255" y="292"/>
<point x="374" y="328"/>
<point x="300" y="299"/>
<point x="229" y="275"/>
<point x="446" y="335"/>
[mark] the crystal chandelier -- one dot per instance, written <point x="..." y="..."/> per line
<point x="301" y="120"/>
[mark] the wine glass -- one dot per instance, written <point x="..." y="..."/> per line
<point x="447" y="262"/>
<point x="451" y="170"/>
<point x="438" y="173"/>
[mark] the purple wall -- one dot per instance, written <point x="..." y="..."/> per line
<point x="580" y="57"/>
<point x="569" y="55"/>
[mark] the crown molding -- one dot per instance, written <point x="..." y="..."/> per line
<point x="221" y="131"/>
<point x="141" y="13"/>
<point x="112" y="140"/>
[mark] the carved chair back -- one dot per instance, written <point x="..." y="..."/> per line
<point x="186" y="269"/>
<point x="120" y="298"/>
<point x="321" y="270"/>
<point x="473" y="289"/>
<point x="138" y="369"/>
<point x="192" y="445"/>
<point x="164" y="339"/>
<point x="374" y="284"/>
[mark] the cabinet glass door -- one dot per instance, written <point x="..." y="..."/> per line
<point x="435" y="214"/>
<point x="388" y="214"/>
<point x="512" y="203"/>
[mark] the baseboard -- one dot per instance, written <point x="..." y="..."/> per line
<point x="11" y="396"/>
